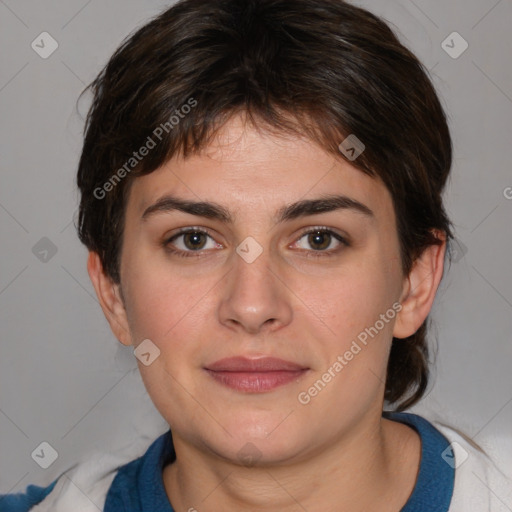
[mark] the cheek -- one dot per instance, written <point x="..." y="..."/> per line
<point x="161" y="302"/>
<point x="357" y="349"/>
<point x="354" y="300"/>
<point x="169" y="311"/>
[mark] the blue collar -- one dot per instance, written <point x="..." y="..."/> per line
<point x="138" y="486"/>
<point x="436" y="478"/>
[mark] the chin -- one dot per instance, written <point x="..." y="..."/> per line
<point x="264" y="442"/>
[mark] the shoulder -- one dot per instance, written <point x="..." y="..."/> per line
<point x="452" y="461"/>
<point x="22" y="502"/>
<point x="480" y="485"/>
<point x="83" y="487"/>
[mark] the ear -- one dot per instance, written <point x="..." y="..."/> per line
<point x="420" y="288"/>
<point x="109" y="297"/>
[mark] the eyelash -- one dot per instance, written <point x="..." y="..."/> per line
<point x="310" y="254"/>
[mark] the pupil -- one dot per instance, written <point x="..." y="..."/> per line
<point x="195" y="238"/>
<point x="315" y="237"/>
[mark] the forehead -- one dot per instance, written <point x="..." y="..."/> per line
<point x="253" y="169"/>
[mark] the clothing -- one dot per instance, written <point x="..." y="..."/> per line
<point x="454" y="476"/>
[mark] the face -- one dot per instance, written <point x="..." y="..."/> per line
<point x="262" y="286"/>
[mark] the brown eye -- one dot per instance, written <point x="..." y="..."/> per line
<point x="192" y="240"/>
<point x="319" y="240"/>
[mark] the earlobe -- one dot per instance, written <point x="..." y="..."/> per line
<point x="420" y="288"/>
<point x="109" y="297"/>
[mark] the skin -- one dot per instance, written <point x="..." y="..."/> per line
<point x="335" y="453"/>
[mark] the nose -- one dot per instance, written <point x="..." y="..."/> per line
<point x="254" y="296"/>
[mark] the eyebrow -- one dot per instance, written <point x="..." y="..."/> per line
<point x="215" y="211"/>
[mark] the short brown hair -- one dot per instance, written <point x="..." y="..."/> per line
<point x="321" y="68"/>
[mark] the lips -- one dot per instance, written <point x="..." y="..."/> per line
<point x="265" y="364"/>
<point x="255" y="375"/>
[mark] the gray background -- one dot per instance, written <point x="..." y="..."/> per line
<point x="64" y="379"/>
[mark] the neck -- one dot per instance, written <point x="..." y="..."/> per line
<point x="372" y="467"/>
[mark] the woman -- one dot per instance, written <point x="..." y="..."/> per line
<point x="261" y="196"/>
